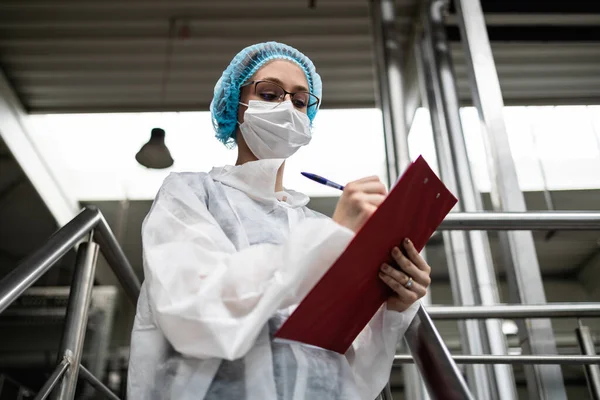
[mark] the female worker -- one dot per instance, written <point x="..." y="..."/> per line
<point x="229" y="253"/>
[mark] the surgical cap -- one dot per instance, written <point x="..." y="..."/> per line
<point x="225" y="102"/>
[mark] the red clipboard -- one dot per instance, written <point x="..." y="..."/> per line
<point x="341" y="304"/>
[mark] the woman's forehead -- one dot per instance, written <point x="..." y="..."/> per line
<point x="286" y="73"/>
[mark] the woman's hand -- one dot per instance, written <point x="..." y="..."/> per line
<point x="410" y="284"/>
<point x="359" y="200"/>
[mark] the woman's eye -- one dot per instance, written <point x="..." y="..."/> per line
<point x="299" y="103"/>
<point x="269" y="96"/>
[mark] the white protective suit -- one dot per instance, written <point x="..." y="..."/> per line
<point x="226" y="260"/>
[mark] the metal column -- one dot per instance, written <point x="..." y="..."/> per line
<point x="468" y="253"/>
<point x="388" y="62"/>
<point x="414" y="385"/>
<point x="525" y="282"/>
<point x="77" y="315"/>
<point x="460" y="264"/>
<point x="592" y="372"/>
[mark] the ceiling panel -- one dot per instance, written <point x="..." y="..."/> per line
<point x="115" y="55"/>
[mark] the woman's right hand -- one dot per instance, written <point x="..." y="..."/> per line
<point x="359" y="200"/>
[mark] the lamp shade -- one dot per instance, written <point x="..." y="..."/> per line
<point x="155" y="154"/>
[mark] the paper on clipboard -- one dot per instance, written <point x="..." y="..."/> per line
<point x="341" y="304"/>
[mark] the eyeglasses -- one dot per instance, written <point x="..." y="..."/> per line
<point x="273" y="93"/>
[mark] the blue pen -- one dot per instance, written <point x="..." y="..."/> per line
<point x="322" y="180"/>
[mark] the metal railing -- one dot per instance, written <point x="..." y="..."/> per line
<point x="437" y="366"/>
<point x="88" y="224"/>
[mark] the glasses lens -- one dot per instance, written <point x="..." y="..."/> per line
<point x="305" y="100"/>
<point x="270" y="92"/>
<point x="301" y="100"/>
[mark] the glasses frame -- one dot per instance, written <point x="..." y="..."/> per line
<point x="285" y="92"/>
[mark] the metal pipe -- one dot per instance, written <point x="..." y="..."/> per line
<point x="456" y="243"/>
<point x="518" y="248"/>
<point x="77" y="315"/>
<point x="56" y="376"/>
<point x="36" y="265"/>
<point x="592" y="372"/>
<point x="116" y="258"/>
<point x="389" y="68"/>
<point x="468" y="253"/>
<point x="552" y="310"/>
<point x="498" y="221"/>
<point x="438" y="370"/>
<point x="400" y="359"/>
<point x="97" y="384"/>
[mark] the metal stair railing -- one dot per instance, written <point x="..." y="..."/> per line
<point x="88" y="224"/>
<point x="437" y="367"/>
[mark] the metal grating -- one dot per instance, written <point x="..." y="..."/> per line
<point x="100" y="56"/>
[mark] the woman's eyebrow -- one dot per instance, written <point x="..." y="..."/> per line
<point x="299" y="88"/>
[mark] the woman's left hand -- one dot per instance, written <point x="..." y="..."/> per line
<point x="409" y="284"/>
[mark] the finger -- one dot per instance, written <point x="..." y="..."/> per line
<point x="419" y="289"/>
<point x="374" y="199"/>
<point x="409" y="268"/>
<point x="403" y="293"/>
<point x="415" y="256"/>
<point x="370" y="187"/>
<point x="403" y="279"/>
<point x="371" y="178"/>
<point x="393" y="273"/>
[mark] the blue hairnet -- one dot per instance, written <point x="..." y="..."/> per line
<point x="224" y="105"/>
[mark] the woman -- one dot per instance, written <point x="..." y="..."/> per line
<point x="229" y="253"/>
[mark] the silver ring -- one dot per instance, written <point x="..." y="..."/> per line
<point x="409" y="283"/>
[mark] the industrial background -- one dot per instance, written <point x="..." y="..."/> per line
<point x="113" y="56"/>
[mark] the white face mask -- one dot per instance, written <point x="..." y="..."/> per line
<point x="274" y="132"/>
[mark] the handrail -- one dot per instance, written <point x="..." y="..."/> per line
<point x="529" y="221"/>
<point x="96" y="383"/>
<point x="436" y="366"/>
<point x="59" y="244"/>
<point x="56" y="376"/>
<point x="551" y="310"/>
<point x="503" y="359"/>
<point x="91" y="223"/>
<point x="422" y="336"/>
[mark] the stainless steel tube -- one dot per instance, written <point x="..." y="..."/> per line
<point x="77" y="315"/>
<point x="469" y="257"/>
<point x="99" y="386"/>
<point x="592" y="372"/>
<point x="390" y="85"/>
<point x="56" y="376"/>
<point x="34" y="266"/>
<point x="496" y="221"/>
<point x="556" y="310"/>
<point x="530" y="360"/>
<point x="440" y="373"/>
<point x="116" y="258"/>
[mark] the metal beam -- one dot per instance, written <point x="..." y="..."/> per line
<point x="400" y="359"/>
<point x="77" y="315"/>
<point x="549" y="310"/>
<point x="527" y="221"/>
<point x="474" y="280"/>
<point x="521" y="259"/>
<point x="592" y="372"/>
<point x="14" y="133"/>
<point x="389" y="66"/>
<point x="460" y="263"/>
<point x="56" y="376"/>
